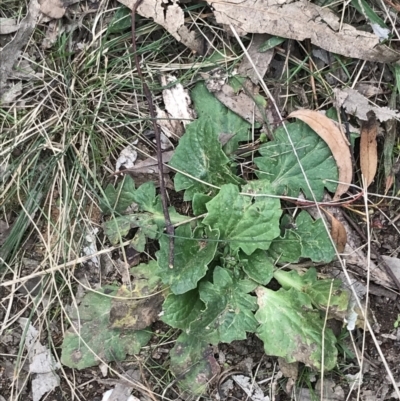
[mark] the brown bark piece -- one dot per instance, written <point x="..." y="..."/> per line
<point x="368" y="148"/>
<point x="331" y="134"/>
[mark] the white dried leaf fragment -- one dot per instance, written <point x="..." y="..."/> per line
<point x="178" y="112"/>
<point x="8" y="25"/>
<point x="126" y="158"/>
<point x="41" y="363"/>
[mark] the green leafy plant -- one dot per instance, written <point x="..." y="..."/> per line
<point x="218" y="289"/>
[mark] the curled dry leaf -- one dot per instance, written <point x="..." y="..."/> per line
<point x="338" y="232"/>
<point x="368" y="148"/>
<point x="328" y="131"/>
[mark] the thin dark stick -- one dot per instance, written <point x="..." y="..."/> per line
<point x="168" y="226"/>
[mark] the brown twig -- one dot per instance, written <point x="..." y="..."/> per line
<point x="168" y="226"/>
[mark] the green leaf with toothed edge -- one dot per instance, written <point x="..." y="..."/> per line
<point x="228" y="313"/>
<point x="281" y="167"/>
<point x="193" y="364"/>
<point x="307" y="239"/>
<point x="245" y="222"/>
<point x="199" y="155"/>
<point x="192" y="254"/>
<point x="291" y="328"/>
<point x="225" y="121"/>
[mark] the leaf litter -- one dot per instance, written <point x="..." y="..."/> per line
<point x="42" y="364"/>
<point x="302" y="20"/>
<point x="359" y="106"/>
<point x="369" y="148"/>
<point x="12" y="50"/>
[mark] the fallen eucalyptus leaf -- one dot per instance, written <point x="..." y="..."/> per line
<point x="329" y="132"/>
<point x="368" y="148"/>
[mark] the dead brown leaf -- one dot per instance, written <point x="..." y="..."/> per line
<point x="261" y="60"/>
<point x="242" y="104"/>
<point x="171" y="17"/>
<point x="301" y="20"/>
<point x="368" y="148"/>
<point x="331" y="134"/>
<point x="338" y="232"/>
<point x="358" y="105"/>
<point x="130" y="312"/>
<point x="149" y="165"/>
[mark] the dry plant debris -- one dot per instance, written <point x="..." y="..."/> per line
<point x="178" y="112"/>
<point x="359" y="106"/>
<point x="8" y="25"/>
<point x="171" y="17"/>
<point x="42" y="364"/>
<point x="369" y="148"/>
<point x="302" y="20"/>
<point x="55" y="8"/>
<point x="260" y="60"/>
<point x="338" y="233"/>
<point x="11" y="51"/>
